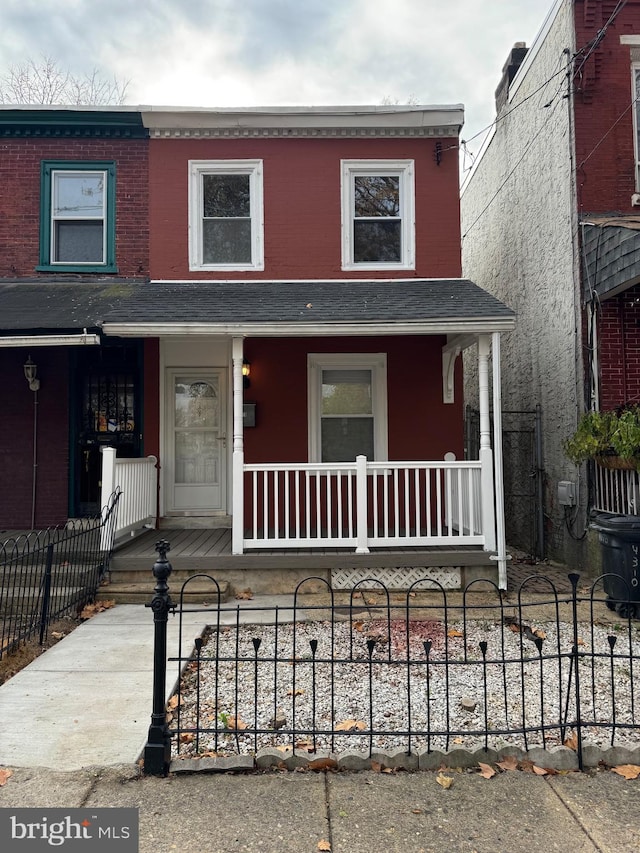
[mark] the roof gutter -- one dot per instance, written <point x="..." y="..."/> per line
<point x="50" y="340"/>
<point x="439" y="327"/>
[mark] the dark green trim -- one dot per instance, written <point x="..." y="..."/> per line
<point x="49" y="166"/>
<point x="72" y="123"/>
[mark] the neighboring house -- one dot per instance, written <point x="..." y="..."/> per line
<point x="550" y="226"/>
<point x="291" y="358"/>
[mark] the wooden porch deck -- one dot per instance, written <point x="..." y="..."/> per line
<point x="209" y="549"/>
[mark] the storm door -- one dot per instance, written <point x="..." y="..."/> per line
<point x="196" y="443"/>
<point x="105" y="394"/>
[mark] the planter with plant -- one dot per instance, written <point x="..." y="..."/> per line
<point x="612" y="439"/>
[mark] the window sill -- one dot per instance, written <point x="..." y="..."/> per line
<point x="79" y="268"/>
<point x="378" y="267"/>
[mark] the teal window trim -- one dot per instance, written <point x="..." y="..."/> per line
<point x="48" y="167"/>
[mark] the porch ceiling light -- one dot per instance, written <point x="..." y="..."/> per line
<point x="30" y="374"/>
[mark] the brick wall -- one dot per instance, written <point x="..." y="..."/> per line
<point x="302" y="204"/>
<point x="20" y="161"/>
<point x="619" y="349"/>
<point x="16" y="439"/>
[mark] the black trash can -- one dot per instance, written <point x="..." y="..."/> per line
<point x="619" y="537"/>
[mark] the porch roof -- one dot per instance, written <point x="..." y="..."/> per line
<point x="256" y="307"/>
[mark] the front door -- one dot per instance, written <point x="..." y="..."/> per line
<point x="105" y="397"/>
<point x="196" y="443"/>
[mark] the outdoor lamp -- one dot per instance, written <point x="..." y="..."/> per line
<point x="246" y="372"/>
<point x="30" y="374"/>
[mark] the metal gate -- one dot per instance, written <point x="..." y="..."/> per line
<point x="523" y="474"/>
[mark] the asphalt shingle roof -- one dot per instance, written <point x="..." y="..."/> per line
<point x="54" y="305"/>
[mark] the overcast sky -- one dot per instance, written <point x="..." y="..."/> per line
<point x="281" y="52"/>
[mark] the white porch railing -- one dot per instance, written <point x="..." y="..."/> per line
<point x="617" y="491"/>
<point x="363" y="504"/>
<point x="138" y="480"/>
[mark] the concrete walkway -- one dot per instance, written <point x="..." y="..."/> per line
<point x="87" y="701"/>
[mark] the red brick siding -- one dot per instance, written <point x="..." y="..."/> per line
<point x="16" y="439"/>
<point x="619" y="347"/>
<point x="302" y="204"/>
<point x="603" y="112"/>
<point x="20" y="161"/>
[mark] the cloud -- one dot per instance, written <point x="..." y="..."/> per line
<point x="258" y="52"/>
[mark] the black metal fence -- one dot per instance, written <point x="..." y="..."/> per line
<point x="51" y="573"/>
<point x="430" y="669"/>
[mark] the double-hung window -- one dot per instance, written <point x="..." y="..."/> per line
<point x="225" y="215"/>
<point x="378" y="228"/>
<point x="77" y="224"/>
<point x="347" y="406"/>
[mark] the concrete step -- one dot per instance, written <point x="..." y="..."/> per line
<point x="198" y="592"/>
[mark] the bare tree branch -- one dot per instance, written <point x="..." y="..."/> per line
<point x="45" y="82"/>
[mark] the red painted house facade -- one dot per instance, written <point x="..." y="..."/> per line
<point x="298" y="333"/>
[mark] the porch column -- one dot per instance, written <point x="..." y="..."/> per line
<point x="486" y="455"/>
<point x="501" y="544"/>
<point x="237" y="519"/>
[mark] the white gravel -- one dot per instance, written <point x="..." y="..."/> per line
<point x="509" y="699"/>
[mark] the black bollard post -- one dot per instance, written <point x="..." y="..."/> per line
<point x="157" y="750"/>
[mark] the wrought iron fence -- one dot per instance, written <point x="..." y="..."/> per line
<point x="427" y="670"/>
<point x="51" y="573"/>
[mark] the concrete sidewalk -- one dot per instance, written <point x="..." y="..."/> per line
<point x="87" y="701"/>
<point x="355" y="812"/>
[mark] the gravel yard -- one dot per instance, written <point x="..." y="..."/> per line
<point x="320" y="676"/>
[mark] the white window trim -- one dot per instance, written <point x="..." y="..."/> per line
<point x="101" y="217"/>
<point x="403" y="168"/>
<point x="377" y="363"/>
<point x="198" y="168"/>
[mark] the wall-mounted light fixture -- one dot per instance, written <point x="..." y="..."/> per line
<point x="30" y="374"/>
<point x="246" y="372"/>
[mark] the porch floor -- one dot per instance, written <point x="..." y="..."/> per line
<point x="210" y="549"/>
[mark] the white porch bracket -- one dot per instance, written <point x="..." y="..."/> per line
<point x="486" y="454"/>
<point x="237" y="520"/>
<point x="450" y="352"/>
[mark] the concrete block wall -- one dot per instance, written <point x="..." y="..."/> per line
<point x="518" y="223"/>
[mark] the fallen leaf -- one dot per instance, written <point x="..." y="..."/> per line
<point x="581" y="642"/>
<point x="376" y="767"/>
<point x="297" y="692"/>
<point x="4" y="775"/>
<point x="538" y="632"/>
<point x="571" y="742"/>
<point x="454" y="633"/>
<point x="351" y="725"/>
<point x="358" y="626"/>
<point x="509" y="762"/>
<point x="173" y="702"/>
<point x="486" y="771"/>
<point x="388" y="770"/>
<point x="57" y="635"/>
<point x="372" y="601"/>
<point x="90" y="610"/>
<point x="304" y="745"/>
<point x="628" y="771"/>
<point x="458" y="740"/>
<point x="283" y="748"/>
<point x="235" y="724"/>
<point x="539" y="771"/>
<point x="187" y="737"/>
<point x="319" y="764"/>
<point x="322" y="844"/>
<point x="245" y="595"/>
<point x="445" y="781"/>
<point x="416" y="811"/>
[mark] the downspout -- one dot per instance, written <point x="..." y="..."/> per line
<point x="501" y="543"/>
<point x="34" y="477"/>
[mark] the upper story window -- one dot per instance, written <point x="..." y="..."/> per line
<point x="378" y="227"/>
<point x="77" y="216"/>
<point x="225" y="215"/>
<point x="347" y="406"/>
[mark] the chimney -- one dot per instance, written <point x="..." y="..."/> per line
<point x="509" y="69"/>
